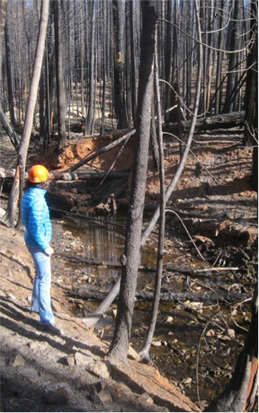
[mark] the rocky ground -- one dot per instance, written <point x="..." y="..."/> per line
<point x="40" y="372"/>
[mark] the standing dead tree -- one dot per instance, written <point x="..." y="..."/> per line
<point x="89" y="123"/>
<point x="61" y="99"/>
<point x="18" y="182"/>
<point x="119" y="95"/>
<point x="2" y="30"/>
<point x="161" y="235"/>
<point x="120" y="342"/>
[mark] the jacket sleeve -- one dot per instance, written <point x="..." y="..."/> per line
<point x="38" y="224"/>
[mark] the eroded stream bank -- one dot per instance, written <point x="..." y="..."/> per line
<point x="196" y="343"/>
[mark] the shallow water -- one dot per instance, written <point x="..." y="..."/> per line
<point x="102" y="239"/>
<point x="190" y="342"/>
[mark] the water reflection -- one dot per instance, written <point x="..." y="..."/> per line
<point x="102" y="240"/>
<point x="179" y="326"/>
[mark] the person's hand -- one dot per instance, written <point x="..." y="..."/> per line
<point x="49" y="250"/>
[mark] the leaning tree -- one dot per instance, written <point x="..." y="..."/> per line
<point x="18" y="182"/>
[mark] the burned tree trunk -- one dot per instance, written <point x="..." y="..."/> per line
<point x="120" y="342"/>
<point x="158" y="281"/>
<point x="90" y="114"/>
<point x="18" y="182"/>
<point x="61" y="99"/>
<point x="251" y="96"/>
<point x="10" y="88"/>
<point x="226" y="120"/>
<point x="120" y="106"/>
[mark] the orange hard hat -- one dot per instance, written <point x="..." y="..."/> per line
<point x="37" y="174"/>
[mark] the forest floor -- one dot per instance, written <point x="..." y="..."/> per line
<point x="40" y="372"/>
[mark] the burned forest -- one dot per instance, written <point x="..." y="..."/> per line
<point x="145" y="114"/>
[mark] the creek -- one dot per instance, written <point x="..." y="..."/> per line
<point x="195" y="345"/>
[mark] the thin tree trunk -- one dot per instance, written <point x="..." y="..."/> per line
<point x="92" y="78"/>
<point x="3" y="9"/>
<point x="229" y="105"/>
<point x="47" y="112"/>
<point x="175" y="66"/>
<point x="103" y="104"/>
<point x="9" y="76"/>
<point x="41" y="104"/>
<point x="219" y="65"/>
<point x="82" y="67"/>
<point x="168" y="56"/>
<point x="119" y="89"/>
<point x="251" y="95"/>
<point x="50" y="68"/>
<point x="161" y="235"/>
<point x="153" y="139"/>
<point x="18" y="182"/>
<point x="61" y="100"/>
<point x="133" y="63"/>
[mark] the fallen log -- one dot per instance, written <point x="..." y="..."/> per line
<point x="169" y="268"/>
<point x="94" y="262"/>
<point x="205" y="297"/>
<point x="89" y="174"/>
<point x="226" y="120"/>
<point x="66" y="176"/>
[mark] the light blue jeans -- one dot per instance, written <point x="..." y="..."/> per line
<point x="41" y="301"/>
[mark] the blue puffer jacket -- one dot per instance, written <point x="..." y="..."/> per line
<point x="35" y="216"/>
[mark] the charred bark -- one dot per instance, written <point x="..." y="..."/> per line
<point x="11" y="103"/>
<point x="254" y="176"/>
<point x="61" y="99"/>
<point x="2" y="26"/>
<point x="204" y="297"/>
<point x="225" y="121"/>
<point x="18" y="182"/>
<point x="120" y="342"/>
<point x="92" y="78"/>
<point x="119" y="96"/>
<point x="161" y="235"/>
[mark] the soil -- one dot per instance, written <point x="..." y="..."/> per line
<point x="40" y="372"/>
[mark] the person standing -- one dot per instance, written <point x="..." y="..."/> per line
<point x="36" y="219"/>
